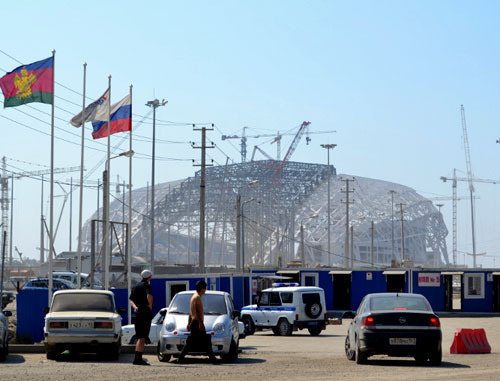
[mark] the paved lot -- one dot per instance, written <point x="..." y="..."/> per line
<point x="265" y="356"/>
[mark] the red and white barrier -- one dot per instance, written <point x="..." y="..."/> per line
<point x="470" y="341"/>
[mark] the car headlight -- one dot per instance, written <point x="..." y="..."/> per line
<point x="219" y="328"/>
<point x="170" y="326"/>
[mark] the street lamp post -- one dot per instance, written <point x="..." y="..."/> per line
<point x="106" y="258"/>
<point x="154" y="104"/>
<point x="302" y="252"/>
<point x="328" y="147"/>
<point x="243" y="231"/>
<point x="239" y="266"/>
<point x="392" y="192"/>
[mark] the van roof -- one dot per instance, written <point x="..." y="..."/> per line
<point x="295" y="289"/>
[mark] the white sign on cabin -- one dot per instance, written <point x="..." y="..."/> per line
<point x="429" y="279"/>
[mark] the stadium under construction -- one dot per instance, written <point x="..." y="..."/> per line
<point x="283" y="219"/>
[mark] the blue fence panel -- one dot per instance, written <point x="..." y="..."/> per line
<point x="30" y="315"/>
<point x="225" y="284"/>
<point x="238" y="290"/>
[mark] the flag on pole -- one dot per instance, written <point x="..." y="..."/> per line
<point x="29" y="83"/>
<point x="120" y="118"/>
<point x="90" y="111"/>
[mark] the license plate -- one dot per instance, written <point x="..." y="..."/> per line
<point x="402" y="341"/>
<point x="313" y="323"/>
<point x="81" y="324"/>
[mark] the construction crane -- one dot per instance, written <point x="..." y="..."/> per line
<point x="454" y="200"/>
<point x="454" y="180"/>
<point x="20" y="255"/>
<point x="277" y="139"/>
<point x="4" y="190"/>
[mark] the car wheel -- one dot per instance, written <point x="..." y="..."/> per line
<point x="232" y="355"/>
<point x="162" y="357"/>
<point x="435" y="357"/>
<point x="360" y="356"/>
<point x="313" y="310"/>
<point x="249" y="325"/>
<point x="314" y="331"/>
<point x="284" y="328"/>
<point x="349" y="353"/>
<point x="115" y="352"/>
<point x="51" y="355"/>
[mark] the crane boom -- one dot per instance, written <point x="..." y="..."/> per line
<point x="467" y="151"/>
<point x="46" y="172"/>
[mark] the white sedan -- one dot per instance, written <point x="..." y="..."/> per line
<point x="221" y="323"/>
<point x="83" y="320"/>
<point x="128" y="331"/>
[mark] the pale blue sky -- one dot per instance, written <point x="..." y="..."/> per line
<point x="389" y="76"/>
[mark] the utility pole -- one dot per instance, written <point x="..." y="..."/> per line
<point x="392" y="192"/>
<point x="328" y="147"/>
<point x="203" y="148"/>
<point x="402" y="234"/>
<point x="347" y="202"/>
<point x="238" y="232"/>
<point x="154" y="104"/>
<point x="352" y="246"/>
<point x="372" y="246"/>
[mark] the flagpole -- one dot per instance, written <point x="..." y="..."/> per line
<point x="81" y="179"/>
<point x="51" y="224"/>
<point x="107" y="257"/>
<point x="129" y="235"/>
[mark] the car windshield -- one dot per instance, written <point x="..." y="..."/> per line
<point x="82" y="302"/>
<point x="380" y="303"/>
<point x="212" y="304"/>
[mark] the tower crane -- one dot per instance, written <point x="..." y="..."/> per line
<point x="470" y="180"/>
<point x="454" y="200"/>
<point x="277" y="139"/>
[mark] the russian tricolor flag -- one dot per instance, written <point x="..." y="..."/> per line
<point x="120" y="116"/>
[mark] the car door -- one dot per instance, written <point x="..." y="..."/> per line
<point x="234" y="320"/>
<point x="356" y="322"/>
<point x="275" y="308"/>
<point x="259" y="316"/>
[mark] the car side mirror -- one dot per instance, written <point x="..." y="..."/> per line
<point x="121" y="310"/>
<point x="348" y="315"/>
<point x="46" y="310"/>
<point x="235" y="314"/>
<point x="7" y="313"/>
<point x="163" y="313"/>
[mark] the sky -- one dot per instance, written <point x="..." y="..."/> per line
<point x="388" y="76"/>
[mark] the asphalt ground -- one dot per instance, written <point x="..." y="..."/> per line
<point x="267" y="357"/>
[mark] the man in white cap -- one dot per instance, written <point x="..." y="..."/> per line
<point x="141" y="300"/>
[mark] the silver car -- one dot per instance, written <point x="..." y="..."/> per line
<point x="221" y="322"/>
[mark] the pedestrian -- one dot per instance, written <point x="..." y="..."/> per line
<point x="141" y="300"/>
<point x="198" y="339"/>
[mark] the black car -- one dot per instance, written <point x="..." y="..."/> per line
<point x="7" y="297"/>
<point x="394" y="324"/>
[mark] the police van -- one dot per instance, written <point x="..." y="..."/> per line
<point x="286" y="308"/>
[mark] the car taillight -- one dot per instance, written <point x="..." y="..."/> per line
<point x="368" y="321"/>
<point x="325" y="316"/>
<point x="58" y="324"/>
<point x="435" y="322"/>
<point x="296" y="316"/>
<point x="103" y="325"/>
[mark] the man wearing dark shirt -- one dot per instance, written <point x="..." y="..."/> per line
<point x="141" y="300"/>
